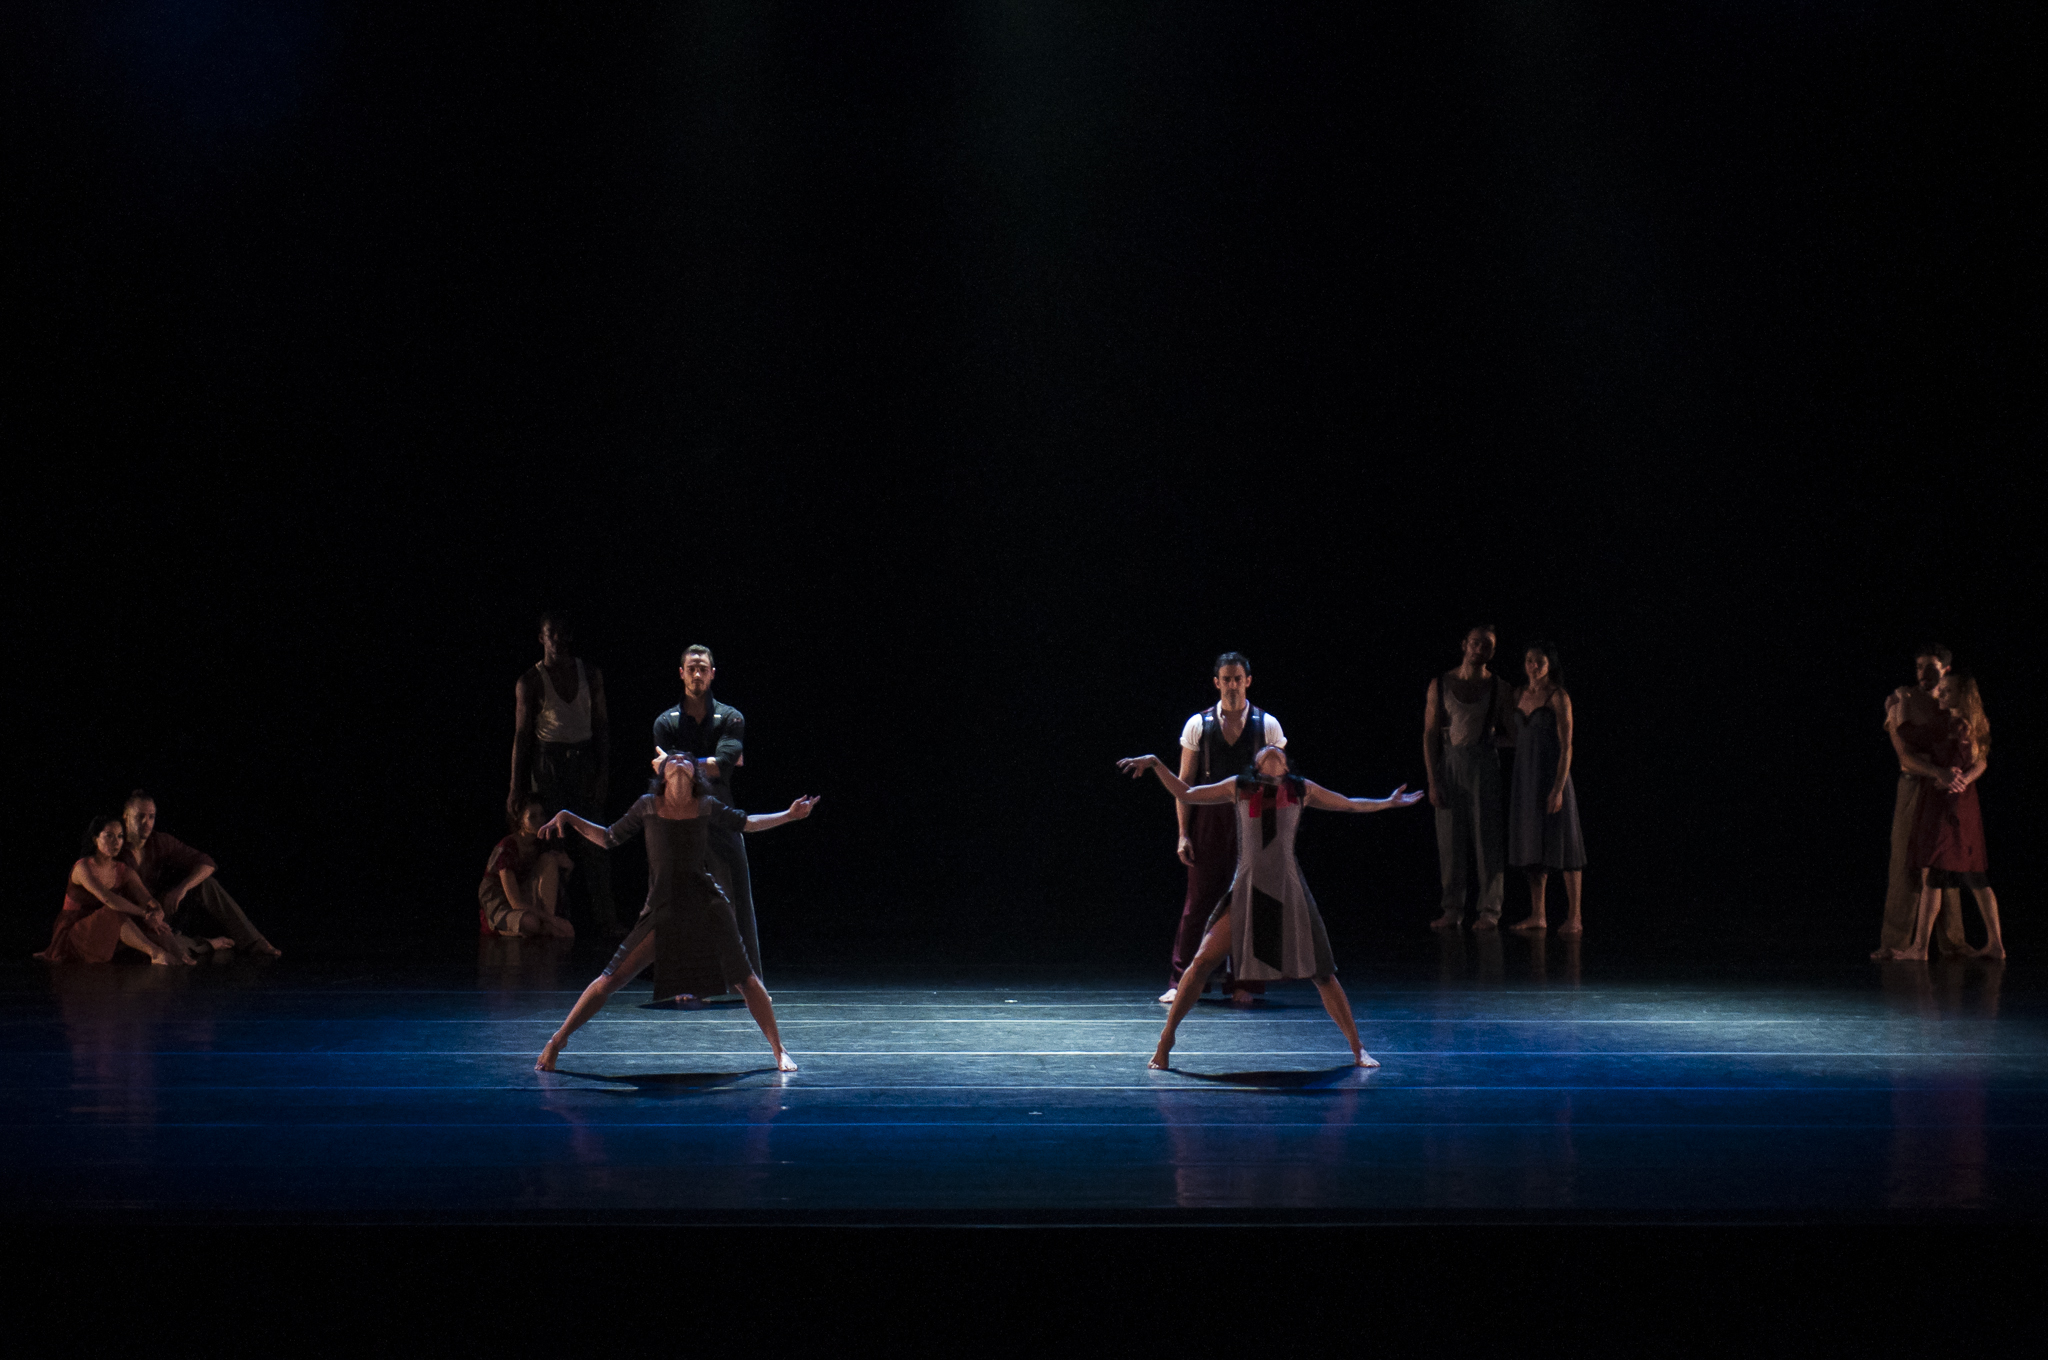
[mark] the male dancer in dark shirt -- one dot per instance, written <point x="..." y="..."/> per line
<point x="715" y="734"/>
<point x="183" y="880"/>
<point x="1217" y="743"/>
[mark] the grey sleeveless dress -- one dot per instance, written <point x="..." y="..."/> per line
<point x="1276" y="931"/>
<point x="1539" y="839"/>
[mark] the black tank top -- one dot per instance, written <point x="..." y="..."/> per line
<point x="1227" y="760"/>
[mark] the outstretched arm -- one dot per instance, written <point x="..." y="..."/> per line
<point x="1222" y="791"/>
<point x="590" y="831"/>
<point x="768" y="821"/>
<point x="1329" y="801"/>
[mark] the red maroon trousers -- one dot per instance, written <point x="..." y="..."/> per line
<point x="1212" y="834"/>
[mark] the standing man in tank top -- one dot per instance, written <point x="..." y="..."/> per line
<point x="1217" y="743"/>
<point x="1464" y="723"/>
<point x="715" y="734"/>
<point x="561" y="750"/>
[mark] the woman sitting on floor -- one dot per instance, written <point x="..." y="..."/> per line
<point x="523" y="880"/>
<point x="106" y="906"/>
<point x="1269" y="924"/>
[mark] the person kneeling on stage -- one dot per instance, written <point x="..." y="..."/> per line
<point x="182" y="878"/>
<point x="1268" y="924"/>
<point x="688" y="932"/>
<point x="106" y="906"/>
<point x="523" y="880"/>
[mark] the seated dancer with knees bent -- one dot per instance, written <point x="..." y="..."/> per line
<point x="523" y="880"/>
<point x="688" y="932"/>
<point x="1269" y="923"/>
<point x="184" y="879"/>
<point x="107" y="906"/>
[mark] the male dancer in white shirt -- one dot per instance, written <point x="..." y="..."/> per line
<point x="1217" y="743"/>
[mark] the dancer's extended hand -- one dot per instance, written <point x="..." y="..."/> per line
<point x="1402" y="798"/>
<point x="1137" y="766"/>
<point x="555" y="824"/>
<point x="801" y="808"/>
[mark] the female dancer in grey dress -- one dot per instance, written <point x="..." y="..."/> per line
<point x="1269" y="923"/>
<point x="688" y="932"/>
<point x="1543" y="808"/>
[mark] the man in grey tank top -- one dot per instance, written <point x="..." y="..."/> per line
<point x="561" y="751"/>
<point x="1464" y="723"/>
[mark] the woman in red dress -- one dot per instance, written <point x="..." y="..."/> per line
<point x="1948" y="838"/>
<point x="106" y="906"/>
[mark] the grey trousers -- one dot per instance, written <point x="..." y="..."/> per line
<point x="211" y="902"/>
<point x="1471" y="828"/>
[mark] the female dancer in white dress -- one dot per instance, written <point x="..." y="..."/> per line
<point x="1268" y="925"/>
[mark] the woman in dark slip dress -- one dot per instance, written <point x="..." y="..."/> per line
<point x="689" y="932"/>
<point x="1543" y="807"/>
<point x="1948" y="837"/>
<point x="1269" y="923"/>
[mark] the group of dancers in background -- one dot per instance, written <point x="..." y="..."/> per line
<point x="1943" y="741"/>
<point x="1247" y="916"/>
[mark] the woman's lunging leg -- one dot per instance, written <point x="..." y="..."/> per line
<point x="594" y="996"/>
<point x="763" y="1011"/>
<point x="1215" y="945"/>
<point x="1339" y="1007"/>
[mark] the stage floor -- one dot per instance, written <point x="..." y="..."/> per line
<point x="403" y="1090"/>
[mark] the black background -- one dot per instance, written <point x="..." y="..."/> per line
<point x="968" y="376"/>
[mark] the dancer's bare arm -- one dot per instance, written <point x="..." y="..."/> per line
<point x="566" y="819"/>
<point x="1561" y="704"/>
<point x="1330" y="801"/>
<point x="1185" y="848"/>
<point x="1222" y="791"/>
<point x="1432" y="741"/>
<point x="525" y="708"/>
<point x="768" y="821"/>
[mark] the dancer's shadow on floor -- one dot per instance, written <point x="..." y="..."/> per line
<point x="666" y="1085"/>
<point x="1314" y="1080"/>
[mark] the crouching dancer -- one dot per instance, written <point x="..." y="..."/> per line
<point x="1269" y="923"/>
<point x="688" y="932"/>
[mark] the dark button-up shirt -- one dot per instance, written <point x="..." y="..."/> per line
<point x="164" y="862"/>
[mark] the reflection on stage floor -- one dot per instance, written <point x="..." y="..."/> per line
<point x="1516" y="1086"/>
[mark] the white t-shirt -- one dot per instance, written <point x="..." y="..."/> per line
<point x="1191" y="735"/>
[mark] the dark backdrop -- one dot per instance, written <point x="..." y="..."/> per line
<point x="968" y="376"/>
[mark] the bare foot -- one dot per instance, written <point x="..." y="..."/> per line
<point x="1910" y="954"/>
<point x="1162" y="1059"/>
<point x="1530" y="923"/>
<point x="1445" y="922"/>
<point x="784" y="1063"/>
<point x="1487" y="923"/>
<point x="161" y="959"/>
<point x="1882" y="952"/>
<point x="265" y="949"/>
<point x="1241" y="997"/>
<point x="1166" y="997"/>
<point x="1364" y="1059"/>
<point x="221" y="944"/>
<point x="1989" y="951"/>
<point x="1572" y="929"/>
<point x="546" y="1061"/>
